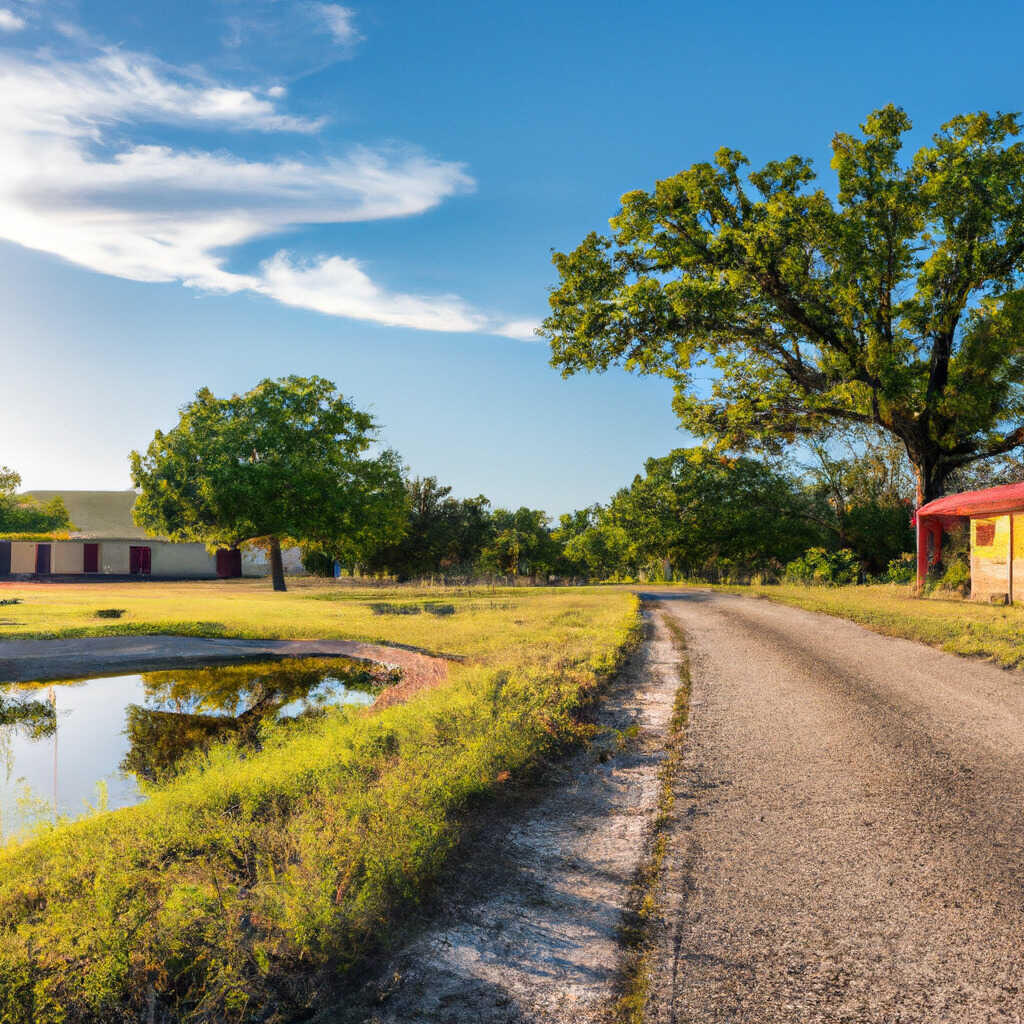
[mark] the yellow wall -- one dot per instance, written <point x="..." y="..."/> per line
<point x="989" y="561"/>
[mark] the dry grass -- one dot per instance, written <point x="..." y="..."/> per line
<point x="960" y="627"/>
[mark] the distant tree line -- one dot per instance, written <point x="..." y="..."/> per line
<point x="691" y="514"/>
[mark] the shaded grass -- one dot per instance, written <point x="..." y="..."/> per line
<point x="245" y="888"/>
<point x="995" y="633"/>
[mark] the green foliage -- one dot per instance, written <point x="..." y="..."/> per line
<point x="864" y="500"/>
<point x="819" y="567"/>
<point x="317" y="562"/>
<point x="283" y="461"/>
<point x="898" y="304"/>
<point x="521" y="544"/>
<point x="953" y="570"/>
<point x="25" y="519"/>
<point x="707" y="515"/>
<point x="444" y="535"/>
<point x="902" y="569"/>
<point x="246" y="887"/>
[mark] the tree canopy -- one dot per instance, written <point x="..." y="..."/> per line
<point x="283" y="462"/>
<point x="19" y="514"/>
<point x="443" y="534"/>
<point x="897" y="303"/>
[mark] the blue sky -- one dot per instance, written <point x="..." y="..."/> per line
<point x="207" y="194"/>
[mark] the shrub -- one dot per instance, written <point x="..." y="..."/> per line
<point x="819" y="567"/>
<point x="902" y="569"/>
<point x="110" y="613"/>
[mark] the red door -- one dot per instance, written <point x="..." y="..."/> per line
<point x="90" y="558"/>
<point x="139" y="561"/>
<point x="229" y="563"/>
<point x="42" y="559"/>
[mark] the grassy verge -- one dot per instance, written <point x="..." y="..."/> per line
<point x="637" y="933"/>
<point x="244" y="889"/>
<point x="960" y="627"/>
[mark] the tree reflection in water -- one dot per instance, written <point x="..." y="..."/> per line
<point x="190" y="710"/>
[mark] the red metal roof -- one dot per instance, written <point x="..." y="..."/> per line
<point x="990" y="501"/>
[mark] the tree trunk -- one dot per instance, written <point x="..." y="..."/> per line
<point x="931" y="479"/>
<point x="276" y="564"/>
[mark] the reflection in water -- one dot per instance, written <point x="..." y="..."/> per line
<point x="115" y="731"/>
<point x="186" y="711"/>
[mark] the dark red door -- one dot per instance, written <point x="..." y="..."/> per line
<point x="90" y="558"/>
<point x="42" y="559"/>
<point x="229" y="563"/>
<point x="139" y="561"/>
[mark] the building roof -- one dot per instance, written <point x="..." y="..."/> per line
<point x="100" y="514"/>
<point x="990" y="501"/>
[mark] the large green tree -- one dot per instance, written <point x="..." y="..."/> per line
<point x="285" y="461"/>
<point x="896" y="302"/>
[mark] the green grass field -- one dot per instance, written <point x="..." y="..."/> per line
<point x="247" y="886"/>
<point x="960" y="627"/>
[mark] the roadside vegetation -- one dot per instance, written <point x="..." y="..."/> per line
<point x="942" y="619"/>
<point x="245" y="888"/>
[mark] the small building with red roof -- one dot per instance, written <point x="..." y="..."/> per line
<point x="996" y="518"/>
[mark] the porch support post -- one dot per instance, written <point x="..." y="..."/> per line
<point x="922" y="554"/>
<point x="1009" y="561"/>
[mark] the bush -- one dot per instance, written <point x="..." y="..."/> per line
<point x="819" y="567"/>
<point x="902" y="569"/>
<point x="317" y="563"/>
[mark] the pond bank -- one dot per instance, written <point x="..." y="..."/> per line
<point x="39" y="660"/>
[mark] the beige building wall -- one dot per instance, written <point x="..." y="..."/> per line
<point x="256" y="561"/>
<point x="67" y="557"/>
<point x="114" y="556"/>
<point x="23" y="556"/>
<point x="189" y="560"/>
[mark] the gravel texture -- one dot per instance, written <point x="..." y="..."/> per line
<point x="525" y="929"/>
<point x="849" y="841"/>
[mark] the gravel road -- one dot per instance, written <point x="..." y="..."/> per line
<point x="850" y="836"/>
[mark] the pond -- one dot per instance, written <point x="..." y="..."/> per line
<point x="63" y="744"/>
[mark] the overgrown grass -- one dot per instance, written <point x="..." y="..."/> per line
<point x="245" y="888"/>
<point x="962" y="627"/>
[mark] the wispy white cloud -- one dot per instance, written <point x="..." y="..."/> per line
<point x="339" y="22"/>
<point x="340" y="287"/>
<point x="71" y="186"/>
<point x="9" y="21"/>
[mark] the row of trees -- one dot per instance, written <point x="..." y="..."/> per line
<point x="291" y="462"/>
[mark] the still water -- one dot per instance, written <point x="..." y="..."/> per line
<point x="62" y="744"/>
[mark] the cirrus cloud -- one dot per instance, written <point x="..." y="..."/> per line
<point x="72" y="183"/>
